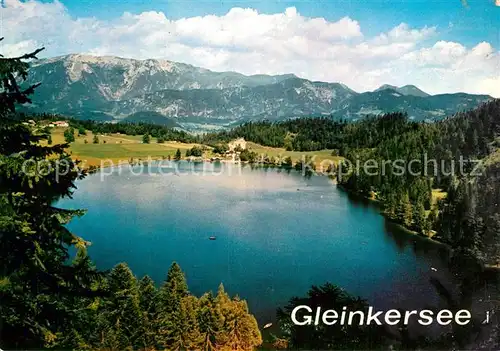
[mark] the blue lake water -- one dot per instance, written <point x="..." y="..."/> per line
<point x="277" y="233"/>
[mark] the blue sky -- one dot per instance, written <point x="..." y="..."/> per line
<point x="478" y="21"/>
<point x="440" y="46"/>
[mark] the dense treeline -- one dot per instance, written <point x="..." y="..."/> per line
<point x="302" y="134"/>
<point x="133" y="314"/>
<point x="311" y="134"/>
<point x="38" y="287"/>
<point x="470" y="218"/>
<point x="442" y="156"/>
<point x="162" y="133"/>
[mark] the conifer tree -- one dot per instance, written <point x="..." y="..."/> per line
<point x="37" y="285"/>
<point x="178" y="155"/>
<point x="170" y="296"/>
<point x="404" y="211"/>
<point x="122" y="310"/>
<point x="147" y="299"/>
<point x="210" y="321"/>
<point x="419" y="217"/>
<point x="192" y="338"/>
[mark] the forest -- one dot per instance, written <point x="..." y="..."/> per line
<point x="468" y="217"/>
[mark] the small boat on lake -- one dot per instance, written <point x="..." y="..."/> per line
<point x="212" y="237"/>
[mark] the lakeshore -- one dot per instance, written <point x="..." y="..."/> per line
<point x="316" y="226"/>
<point x="379" y="204"/>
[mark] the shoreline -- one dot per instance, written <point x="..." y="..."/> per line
<point x="333" y="180"/>
<point x="379" y="203"/>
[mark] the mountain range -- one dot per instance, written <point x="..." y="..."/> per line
<point x="166" y="92"/>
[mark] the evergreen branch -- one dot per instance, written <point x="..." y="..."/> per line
<point x="31" y="55"/>
<point x="15" y="95"/>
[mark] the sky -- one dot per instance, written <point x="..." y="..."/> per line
<point x="441" y="46"/>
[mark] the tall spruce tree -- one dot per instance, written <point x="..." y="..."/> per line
<point x="123" y="318"/>
<point x="178" y="155"/>
<point x="147" y="300"/>
<point x="209" y="321"/>
<point x="37" y="284"/>
<point x="191" y="338"/>
<point x="171" y="293"/>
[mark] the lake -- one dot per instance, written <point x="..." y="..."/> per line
<point x="277" y="234"/>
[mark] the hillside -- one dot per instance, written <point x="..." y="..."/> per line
<point x="404" y="90"/>
<point x="107" y="88"/>
<point x="432" y="107"/>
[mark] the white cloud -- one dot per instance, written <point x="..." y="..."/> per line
<point x="250" y="42"/>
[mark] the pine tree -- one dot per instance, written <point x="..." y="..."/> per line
<point x="171" y="293"/>
<point x="433" y="216"/>
<point x="147" y="299"/>
<point x="404" y="211"/>
<point x="122" y="312"/>
<point x="390" y="206"/>
<point x="95" y="140"/>
<point x="210" y="321"/>
<point x="419" y="218"/>
<point x="178" y="155"/>
<point x="38" y="287"/>
<point x="146" y="139"/>
<point x="192" y="338"/>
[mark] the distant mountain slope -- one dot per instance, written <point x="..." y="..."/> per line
<point x="404" y="90"/>
<point x="83" y="81"/>
<point x="289" y="98"/>
<point x="106" y="88"/>
<point x="418" y="108"/>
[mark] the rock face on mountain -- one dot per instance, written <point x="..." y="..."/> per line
<point x="116" y="88"/>
<point x="289" y="98"/>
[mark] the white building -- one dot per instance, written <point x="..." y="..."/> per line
<point x="61" y="124"/>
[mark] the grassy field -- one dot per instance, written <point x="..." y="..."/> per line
<point x="121" y="148"/>
<point x="116" y="147"/>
